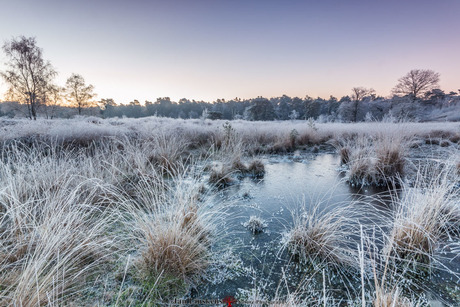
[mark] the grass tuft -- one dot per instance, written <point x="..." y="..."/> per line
<point x="255" y="225"/>
<point x="318" y="236"/>
<point x="52" y="245"/>
<point x="428" y="212"/>
<point x="239" y="166"/>
<point x="220" y="177"/>
<point x="256" y="168"/>
<point x="172" y="227"/>
<point x="378" y="160"/>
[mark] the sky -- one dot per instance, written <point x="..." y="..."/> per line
<point x="213" y="49"/>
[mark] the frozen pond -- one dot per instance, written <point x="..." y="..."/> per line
<point x="254" y="266"/>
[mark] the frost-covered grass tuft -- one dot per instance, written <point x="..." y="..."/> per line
<point x="227" y="173"/>
<point x="220" y="177"/>
<point x="170" y="224"/>
<point x="427" y="213"/>
<point x="173" y="233"/>
<point x="255" y="225"/>
<point x="53" y="228"/>
<point x="168" y="151"/>
<point x="378" y="160"/>
<point x="344" y="155"/>
<point x="318" y="236"/>
<point x="239" y="166"/>
<point x="256" y="168"/>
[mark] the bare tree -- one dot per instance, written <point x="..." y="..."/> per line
<point x="417" y="82"/>
<point x="27" y="73"/>
<point x="51" y="99"/>
<point x="79" y="93"/>
<point x="357" y="95"/>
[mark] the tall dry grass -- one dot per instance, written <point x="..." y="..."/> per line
<point x="382" y="284"/>
<point x="67" y="215"/>
<point x="378" y="160"/>
<point x="170" y="224"/>
<point x="427" y="214"/>
<point x="319" y="234"/>
<point x="258" y="137"/>
<point x="168" y="151"/>
<point x="53" y="231"/>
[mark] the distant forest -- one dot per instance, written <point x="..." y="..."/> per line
<point x="435" y="105"/>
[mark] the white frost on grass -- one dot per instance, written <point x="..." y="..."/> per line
<point x="255" y="224"/>
<point x="251" y="133"/>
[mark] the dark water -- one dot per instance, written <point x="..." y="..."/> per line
<point x="254" y="266"/>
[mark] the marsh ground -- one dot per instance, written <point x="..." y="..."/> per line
<point x="139" y="212"/>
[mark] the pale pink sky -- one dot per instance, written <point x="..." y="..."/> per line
<point x="212" y="49"/>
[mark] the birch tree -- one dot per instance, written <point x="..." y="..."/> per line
<point x="27" y="74"/>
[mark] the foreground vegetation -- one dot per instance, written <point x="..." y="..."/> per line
<point x="122" y="212"/>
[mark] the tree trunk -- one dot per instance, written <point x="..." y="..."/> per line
<point x="33" y="111"/>
<point x="355" y="111"/>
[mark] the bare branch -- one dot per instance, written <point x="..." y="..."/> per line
<point x="417" y="82"/>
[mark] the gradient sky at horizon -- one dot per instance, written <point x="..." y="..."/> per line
<point x="210" y="49"/>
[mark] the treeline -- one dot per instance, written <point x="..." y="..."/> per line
<point x="33" y="93"/>
<point x="434" y="105"/>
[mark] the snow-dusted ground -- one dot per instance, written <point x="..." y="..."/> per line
<point x="93" y="128"/>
